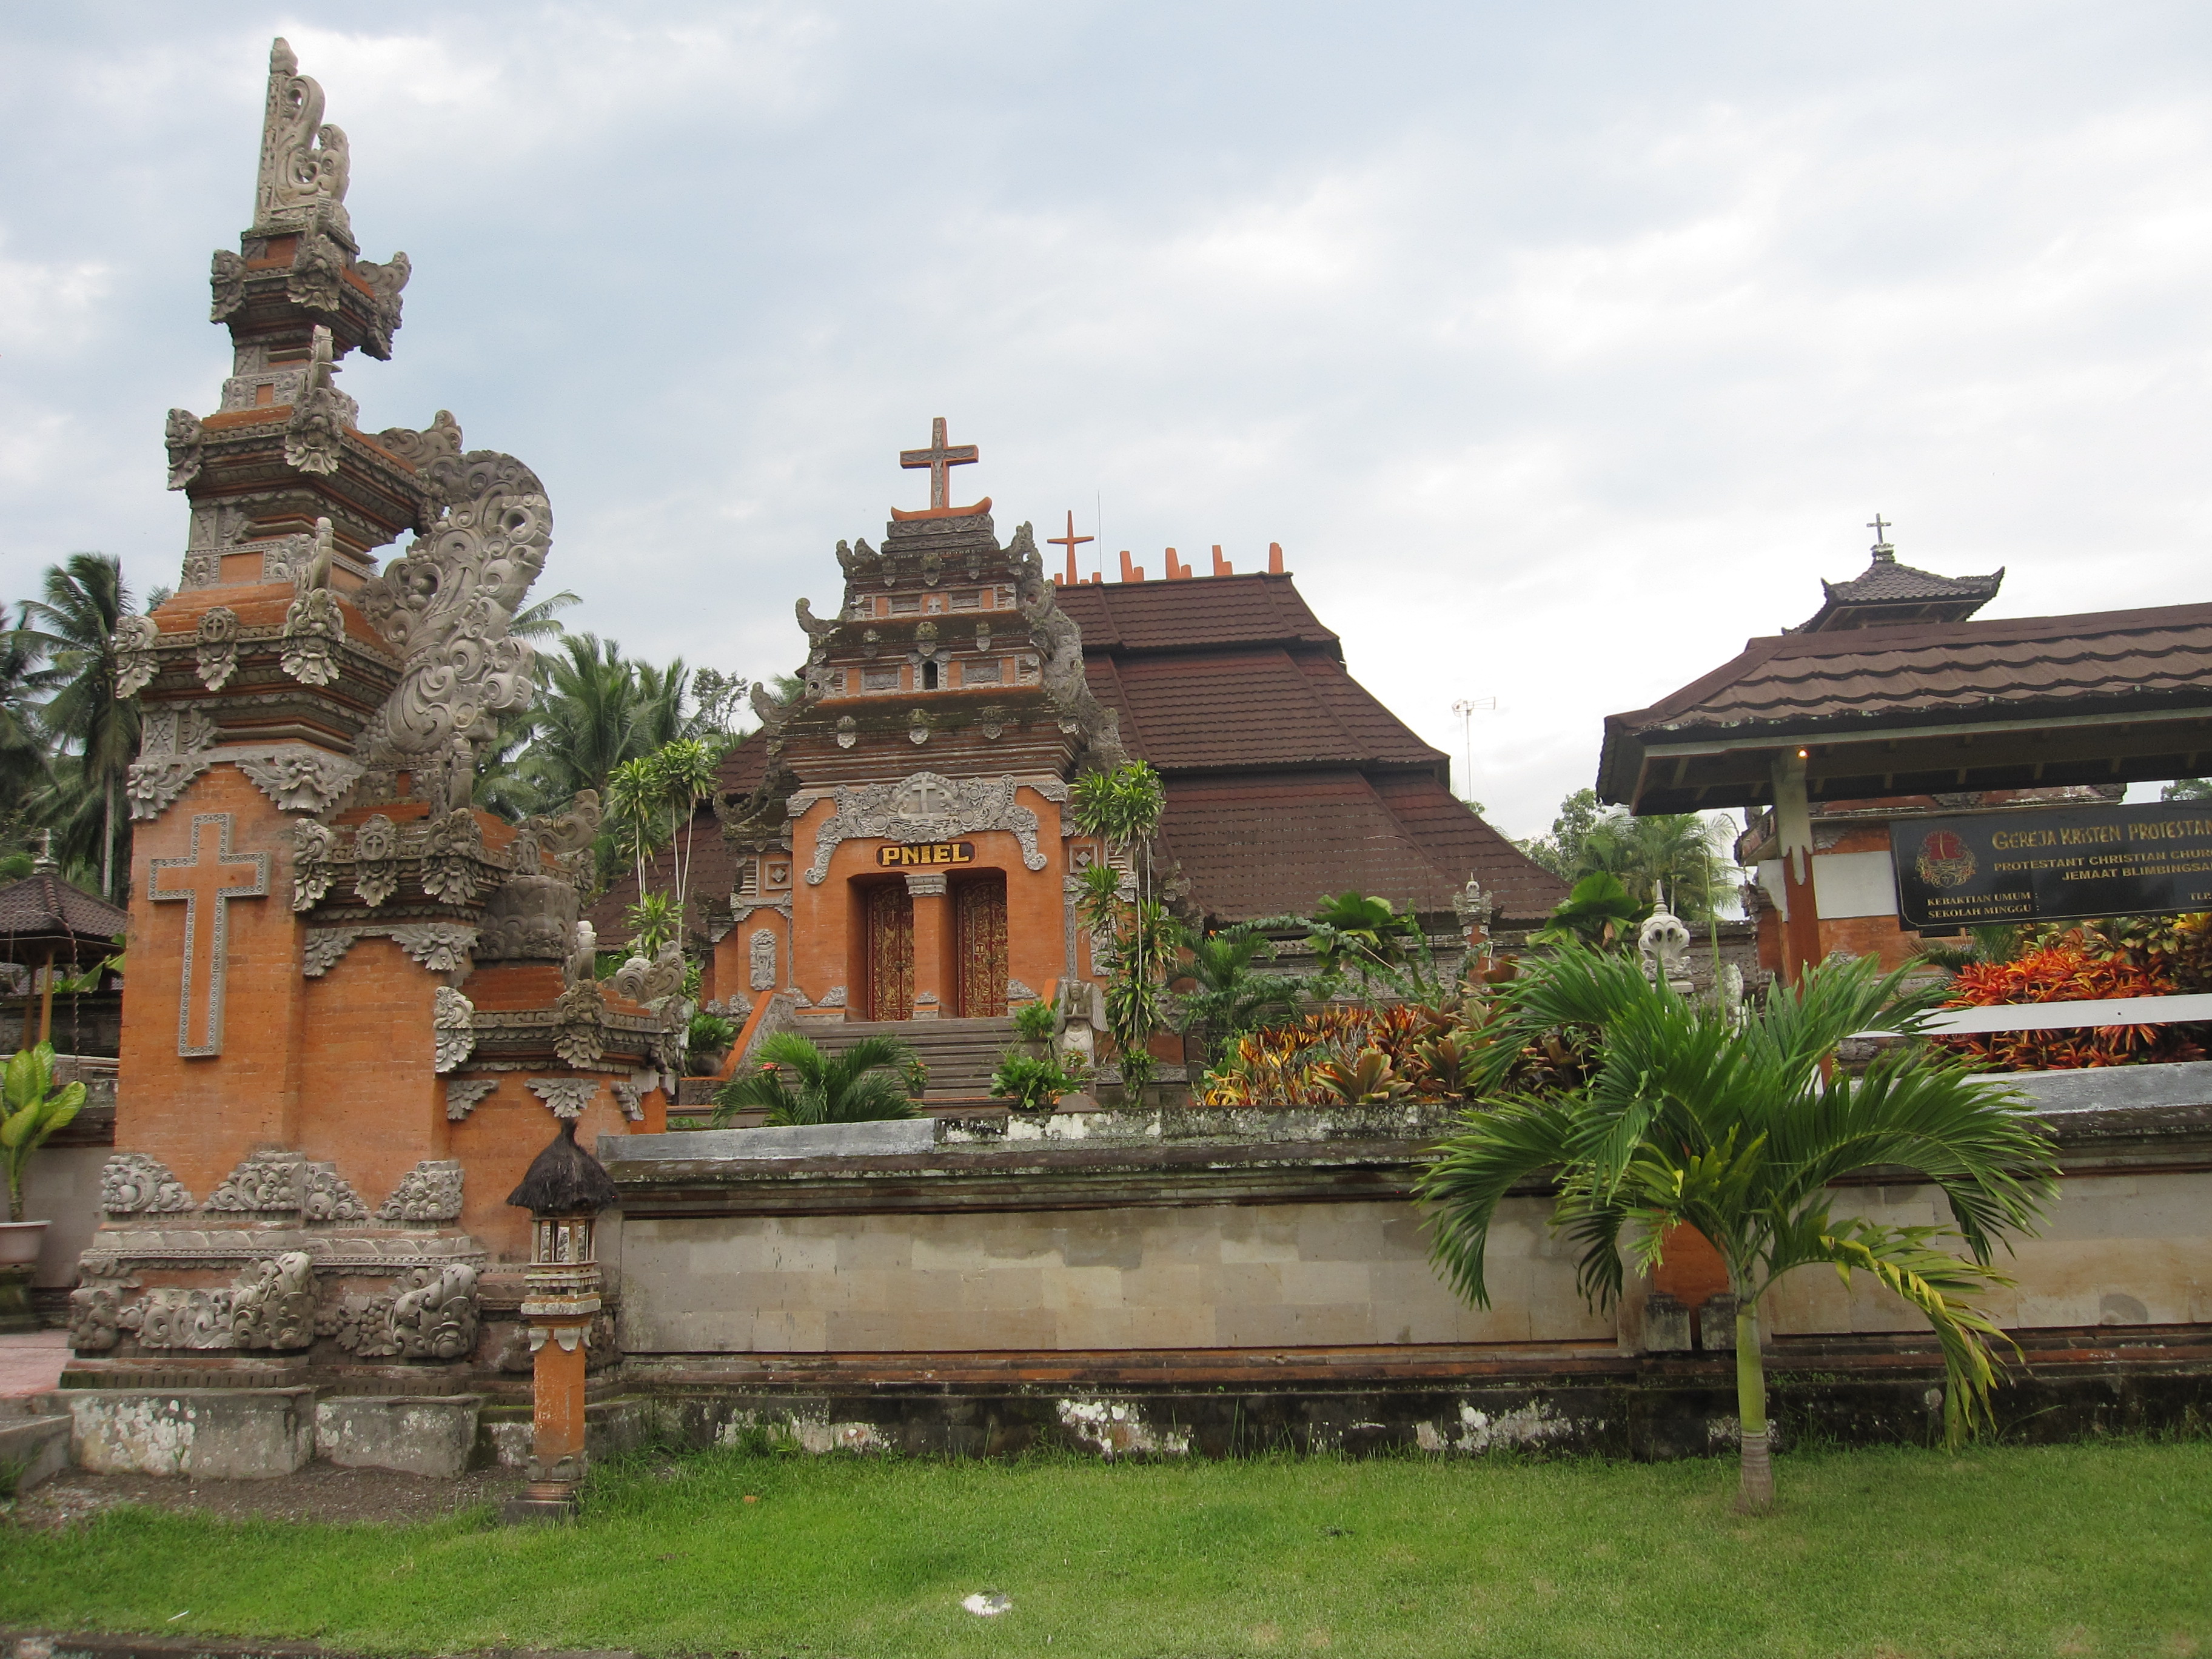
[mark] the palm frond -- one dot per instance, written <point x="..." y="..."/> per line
<point x="1496" y="1151"/>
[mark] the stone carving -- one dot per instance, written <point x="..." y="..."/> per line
<point x="529" y="919"/>
<point x="376" y="861"/>
<point x="132" y="1183"/>
<point x="439" y="947"/>
<point x="174" y="1318"/>
<point x="430" y="1313"/>
<point x="313" y="629"/>
<point x="437" y="1318"/>
<point x="454" y="1024"/>
<point x="322" y="948"/>
<point x="273" y="1306"/>
<point x="567" y="1096"/>
<point x="298" y="779"/>
<point x="136" y="660"/>
<point x="924" y="807"/>
<point x="1017" y="992"/>
<point x="317" y="279"/>
<point x="464" y="1093"/>
<point x="436" y="441"/>
<point x="172" y="745"/>
<point x="650" y="982"/>
<point x="1473" y="906"/>
<point x="1664" y="943"/>
<point x="320" y="413"/>
<point x="95" y="1318"/>
<point x="304" y="163"/>
<point x="431" y="1191"/>
<point x="832" y="998"/>
<point x="311" y="874"/>
<point x="265" y="1181"/>
<point x="763" y="957"/>
<point x="227" y="280"/>
<point x="325" y="1196"/>
<point x="577" y="1030"/>
<point x="919" y="723"/>
<point x="445" y="605"/>
<point x="218" y="646"/>
<point x="451" y="849"/>
<point x="581" y="970"/>
<point x="631" y="1096"/>
<point x="385" y="281"/>
<point x="182" y="435"/>
<point x="848" y="731"/>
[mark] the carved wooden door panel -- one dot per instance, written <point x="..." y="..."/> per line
<point x="890" y="951"/>
<point x="980" y="942"/>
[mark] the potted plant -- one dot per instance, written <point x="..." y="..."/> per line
<point x="31" y="1109"/>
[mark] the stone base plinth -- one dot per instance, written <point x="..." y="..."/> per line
<point x="228" y="1434"/>
<point x="420" y="1434"/>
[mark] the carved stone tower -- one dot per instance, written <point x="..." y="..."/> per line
<point x="357" y="1004"/>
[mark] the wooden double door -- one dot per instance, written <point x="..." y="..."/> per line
<point x="973" y="980"/>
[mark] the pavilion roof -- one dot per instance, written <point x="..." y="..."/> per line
<point x="2016" y="702"/>
<point x="42" y="910"/>
<point x="1889" y="593"/>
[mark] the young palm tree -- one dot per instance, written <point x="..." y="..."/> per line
<point x="1232" y="997"/>
<point x="74" y="626"/>
<point x="1691" y="1122"/>
<point x="863" y="1085"/>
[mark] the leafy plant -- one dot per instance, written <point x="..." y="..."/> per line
<point x="1231" y="996"/>
<point x="706" y="1039"/>
<point x="2064" y="973"/>
<point x="1035" y="1082"/>
<point x="1034" y="1021"/>
<point x="1367" y="1078"/>
<point x="1688" y="1121"/>
<point x="861" y="1084"/>
<point x="31" y="1109"/>
<point x="1122" y="808"/>
<point x="1598" y="912"/>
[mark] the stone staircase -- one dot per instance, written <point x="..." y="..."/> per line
<point x="961" y="1054"/>
<point x="34" y="1437"/>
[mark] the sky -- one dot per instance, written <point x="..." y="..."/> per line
<point x="1562" y="348"/>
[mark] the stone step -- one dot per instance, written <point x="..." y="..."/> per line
<point x="35" y="1449"/>
<point x="961" y="1053"/>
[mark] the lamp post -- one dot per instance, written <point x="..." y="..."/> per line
<point x="564" y="1191"/>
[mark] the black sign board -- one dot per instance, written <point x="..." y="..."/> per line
<point x="2049" y="863"/>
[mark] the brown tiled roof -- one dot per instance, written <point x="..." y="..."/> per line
<point x="1890" y="593"/>
<point x="1285" y="778"/>
<point x="42" y="910"/>
<point x="1862" y="683"/>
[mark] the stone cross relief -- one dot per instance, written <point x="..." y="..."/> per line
<point x="207" y="882"/>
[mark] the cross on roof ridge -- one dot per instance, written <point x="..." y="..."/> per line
<point x="939" y="458"/>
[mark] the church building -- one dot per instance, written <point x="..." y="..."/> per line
<point x="897" y="843"/>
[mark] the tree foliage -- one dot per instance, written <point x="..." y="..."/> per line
<point x="864" y="1084"/>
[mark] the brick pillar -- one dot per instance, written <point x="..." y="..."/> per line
<point x="1793" y="822"/>
<point x="933" y="944"/>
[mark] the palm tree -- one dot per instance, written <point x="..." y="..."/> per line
<point x="85" y="598"/>
<point x="863" y="1085"/>
<point x="1691" y="1122"/>
<point x="23" y="765"/>
<point x="1677" y="853"/>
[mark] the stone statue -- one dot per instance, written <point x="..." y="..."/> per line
<point x="1663" y="941"/>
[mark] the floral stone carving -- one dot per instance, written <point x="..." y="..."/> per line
<point x="439" y="947"/>
<point x="430" y="1313"/>
<point x="174" y="1318"/>
<point x="182" y="435"/>
<point x="454" y="1026"/>
<point x="431" y="1191"/>
<point x="376" y="861"/>
<point x="320" y="413"/>
<point x="761" y="957"/>
<point x="265" y="1182"/>
<point x="451" y="849"/>
<point x="567" y="1096"/>
<point x="217" y="656"/>
<point x="310" y="870"/>
<point x="298" y="779"/>
<point x="132" y="1183"/>
<point x="530" y="919"/>
<point x="273" y="1306"/>
<point x="925" y="806"/>
<point x="464" y="1094"/>
<point x="320" y="952"/>
<point x="446" y="604"/>
<point x="325" y="1196"/>
<point x="172" y="751"/>
<point x="135" y="661"/>
<point x="313" y="629"/>
<point x="305" y="165"/>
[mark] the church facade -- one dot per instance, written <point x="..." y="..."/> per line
<point x="898" y="842"/>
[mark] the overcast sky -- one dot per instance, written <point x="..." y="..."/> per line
<point x="1562" y="347"/>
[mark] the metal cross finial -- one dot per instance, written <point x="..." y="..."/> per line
<point x="939" y="458"/>
<point x="1879" y="525"/>
<point x="1070" y="542"/>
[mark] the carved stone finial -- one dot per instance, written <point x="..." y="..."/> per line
<point x="304" y="163"/>
<point x="1663" y="941"/>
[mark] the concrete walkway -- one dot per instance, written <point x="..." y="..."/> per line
<point x="31" y="1362"/>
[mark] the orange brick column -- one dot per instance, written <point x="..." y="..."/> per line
<point x="933" y="944"/>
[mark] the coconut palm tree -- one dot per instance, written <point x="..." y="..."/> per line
<point x="74" y="626"/>
<point x="1691" y="1122"/>
<point x="863" y="1085"/>
<point x="23" y="680"/>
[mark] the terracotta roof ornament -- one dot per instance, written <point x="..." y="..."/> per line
<point x="1070" y="542"/>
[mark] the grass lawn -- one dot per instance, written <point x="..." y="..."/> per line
<point x="2005" y="1551"/>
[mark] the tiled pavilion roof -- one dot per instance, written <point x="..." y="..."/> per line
<point x="42" y="910"/>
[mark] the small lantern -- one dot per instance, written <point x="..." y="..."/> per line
<point x="564" y="1191"/>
